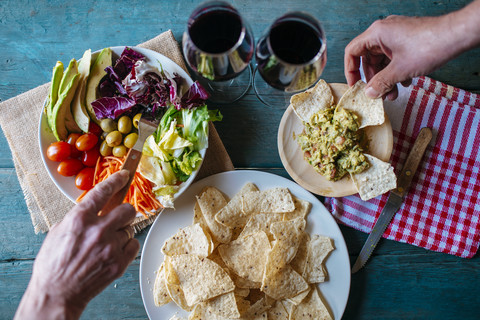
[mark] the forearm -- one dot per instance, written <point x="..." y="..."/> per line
<point x="464" y="28"/>
<point x="39" y="304"/>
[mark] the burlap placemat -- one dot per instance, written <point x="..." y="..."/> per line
<point x="19" y="119"/>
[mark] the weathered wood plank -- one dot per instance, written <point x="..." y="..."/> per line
<point x="120" y="300"/>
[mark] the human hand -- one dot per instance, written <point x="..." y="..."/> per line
<point x="398" y="48"/>
<point x="81" y="255"/>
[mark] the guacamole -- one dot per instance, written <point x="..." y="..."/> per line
<point x="333" y="144"/>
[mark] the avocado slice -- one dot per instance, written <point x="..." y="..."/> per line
<point x="79" y="110"/>
<point x="97" y="72"/>
<point x="57" y="75"/>
<point x="62" y="107"/>
<point x="71" y="71"/>
<point x="61" y="117"/>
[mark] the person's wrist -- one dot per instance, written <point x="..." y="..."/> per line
<point x="463" y="27"/>
<point x="45" y="305"/>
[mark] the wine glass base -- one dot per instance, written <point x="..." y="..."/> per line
<point x="229" y="91"/>
<point x="268" y="95"/>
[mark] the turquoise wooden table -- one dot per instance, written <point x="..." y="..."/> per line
<point x="399" y="282"/>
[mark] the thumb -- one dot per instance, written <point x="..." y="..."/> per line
<point x="383" y="82"/>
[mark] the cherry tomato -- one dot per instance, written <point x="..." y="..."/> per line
<point x="71" y="140"/>
<point x="84" y="179"/>
<point x="90" y="157"/>
<point x="69" y="167"/>
<point x="59" y="151"/>
<point x="94" y="128"/>
<point x="86" y="141"/>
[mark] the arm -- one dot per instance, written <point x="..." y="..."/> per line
<point x="398" y="48"/>
<point x="81" y="256"/>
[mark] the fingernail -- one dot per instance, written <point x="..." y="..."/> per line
<point x="371" y="93"/>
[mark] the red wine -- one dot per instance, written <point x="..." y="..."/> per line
<point x="291" y="57"/>
<point x="218" y="44"/>
<point x="216" y="31"/>
<point x="294" y="42"/>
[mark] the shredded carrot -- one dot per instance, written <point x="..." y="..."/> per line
<point x="140" y="195"/>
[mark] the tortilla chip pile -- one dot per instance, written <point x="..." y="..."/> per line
<point x="247" y="258"/>
<point x="379" y="177"/>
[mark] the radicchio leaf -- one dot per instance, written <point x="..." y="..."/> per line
<point x="127" y="61"/>
<point x="195" y="96"/>
<point x="112" y="107"/>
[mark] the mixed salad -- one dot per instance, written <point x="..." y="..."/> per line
<point x="113" y="96"/>
<point x="171" y="154"/>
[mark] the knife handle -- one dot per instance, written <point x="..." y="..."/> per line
<point x="413" y="160"/>
<point x="130" y="164"/>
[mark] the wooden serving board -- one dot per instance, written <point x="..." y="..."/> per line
<point x="380" y="146"/>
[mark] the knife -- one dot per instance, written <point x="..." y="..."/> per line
<point x="145" y="129"/>
<point x="395" y="198"/>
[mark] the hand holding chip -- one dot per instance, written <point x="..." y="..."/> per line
<point x="81" y="256"/>
<point x="398" y="48"/>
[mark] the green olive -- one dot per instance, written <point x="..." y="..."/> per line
<point x="114" y="138"/>
<point x="130" y="140"/>
<point x="136" y="119"/>
<point x="125" y="124"/>
<point x="105" y="149"/>
<point x="119" y="151"/>
<point x="108" y="125"/>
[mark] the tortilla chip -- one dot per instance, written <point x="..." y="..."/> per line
<point x="288" y="307"/>
<point x="232" y="215"/>
<point x="376" y="180"/>
<point x="247" y="256"/>
<point x="275" y="200"/>
<point x="319" y="247"/>
<point x="309" y="102"/>
<point x="312" y="307"/>
<point x="244" y="283"/>
<point x="287" y="234"/>
<point x="241" y="292"/>
<point x="198" y="312"/>
<point x="299" y="297"/>
<point x="261" y="222"/>
<point x="277" y="312"/>
<point x="282" y="283"/>
<point x="224" y="305"/>
<point x="299" y="262"/>
<point x="200" y="279"/>
<point x="257" y="310"/>
<point x="174" y="288"/>
<point x="302" y="208"/>
<point x="160" y="292"/>
<point x="211" y="200"/>
<point x="202" y="312"/>
<point x="189" y="240"/>
<point x="370" y="111"/>
<point x="198" y="216"/>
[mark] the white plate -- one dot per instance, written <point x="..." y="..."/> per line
<point x="319" y="221"/>
<point x="46" y="137"/>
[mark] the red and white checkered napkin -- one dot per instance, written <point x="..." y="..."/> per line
<point x="441" y="210"/>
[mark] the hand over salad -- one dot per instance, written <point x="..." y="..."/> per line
<point x="112" y="95"/>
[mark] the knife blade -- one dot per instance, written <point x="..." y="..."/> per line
<point x="395" y="198"/>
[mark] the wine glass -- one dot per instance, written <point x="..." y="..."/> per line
<point x="290" y="58"/>
<point x="218" y="46"/>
